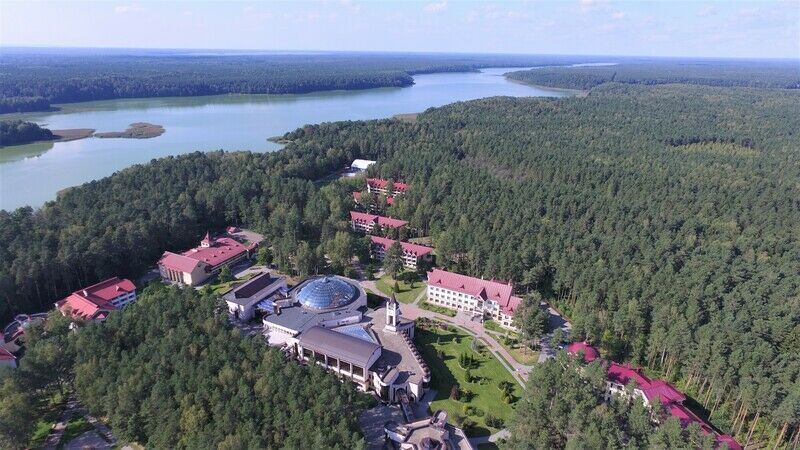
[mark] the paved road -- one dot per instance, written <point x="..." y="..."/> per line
<point x="502" y="434"/>
<point x="555" y="322"/>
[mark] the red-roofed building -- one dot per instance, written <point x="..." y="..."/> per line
<point x="618" y="378"/>
<point x="98" y="300"/>
<point x="379" y="186"/>
<point x="7" y="359"/>
<point x="196" y="265"/>
<point x="412" y="253"/>
<point x="488" y="297"/>
<point x="589" y="352"/>
<point x="365" y="222"/>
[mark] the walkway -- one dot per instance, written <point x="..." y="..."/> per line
<point x="71" y="410"/>
<point x="503" y="434"/>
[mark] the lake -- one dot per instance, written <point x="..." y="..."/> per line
<point x="33" y="174"/>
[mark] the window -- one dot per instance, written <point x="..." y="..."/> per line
<point x="358" y="371"/>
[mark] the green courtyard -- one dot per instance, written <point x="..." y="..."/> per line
<point x="481" y="399"/>
<point x="406" y="293"/>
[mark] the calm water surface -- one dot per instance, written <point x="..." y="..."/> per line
<point x="32" y="174"/>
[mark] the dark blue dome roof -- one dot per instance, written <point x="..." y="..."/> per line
<point x="327" y="293"/>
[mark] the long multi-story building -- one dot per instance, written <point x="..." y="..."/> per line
<point x="412" y="253"/>
<point x="365" y="222"/>
<point x="198" y="264"/>
<point x="379" y="186"/>
<point x="98" y="300"/>
<point x="647" y="390"/>
<point x="487" y="297"/>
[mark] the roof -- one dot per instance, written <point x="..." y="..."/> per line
<point x="255" y="288"/>
<point x="664" y="391"/>
<point x="380" y="220"/>
<point x="94" y="301"/>
<point x="178" y="262"/>
<point x="408" y="247"/>
<point x="220" y="249"/>
<point x="487" y="289"/>
<point x="361" y="164"/>
<point x="6" y="355"/>
<point x="339" y="345"/>
<point x="622" y="374"/>
<point x="212" y="251"/>
<point x="589" y="352"/>
<point x="381" y="184"/>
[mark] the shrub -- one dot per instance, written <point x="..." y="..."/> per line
<point x="493" y="421"/>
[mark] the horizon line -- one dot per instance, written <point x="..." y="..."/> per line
<point x="196" y="49"/>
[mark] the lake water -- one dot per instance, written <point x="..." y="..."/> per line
<point x="33" y="174"/>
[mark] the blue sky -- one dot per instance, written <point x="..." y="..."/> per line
<point x="768" y="29"/>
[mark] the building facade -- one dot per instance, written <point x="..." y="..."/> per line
<point x="243" y="299"/>
<point x="379" y="186"/>
<point x="198" y="264"/>
<point x="95" y="302"/>
<point x="412" y="253"/>
<point x="365" y="223"/>
<point x="486" y="297"/>
<point x="325" y="321"/>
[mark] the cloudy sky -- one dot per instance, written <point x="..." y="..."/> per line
<point x="769" y="29"/>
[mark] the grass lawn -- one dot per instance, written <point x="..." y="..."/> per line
<point x="446" y="372"/>
<point x="54" y="401"/>
<point x="491" y="325"/>
<point x="407" y="294"/>
<point x="221" y="288"/>
<point x="436" y="308"/>
<point x="521" y="353"/>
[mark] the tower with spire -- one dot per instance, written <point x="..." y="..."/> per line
<point x="392" y="314"/>
<point x="207" y="241"/>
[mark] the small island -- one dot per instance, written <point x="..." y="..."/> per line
<point x="18" y="132"/>
<point x="137" y="130"/>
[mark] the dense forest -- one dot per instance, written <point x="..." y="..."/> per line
<point x="13" y="132"/>
<point x="662" y="220"/>
<point x="170" y="373"/>
<point x="32" y="81"/>
<point x="564" y="407"/>
<point x="727" y="73"/>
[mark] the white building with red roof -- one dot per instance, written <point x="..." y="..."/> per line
<point x="98" y="300"/>
<point x="412" y="253"/>
<point x="7" y="359"/>
<point x="476" y="295"/>
<point x="198" y="264"/>
<point x="619" y="378"/>
<point x="365" y="222"/>
<point x="379" y="186"/>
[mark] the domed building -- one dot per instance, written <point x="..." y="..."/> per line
<point x="325" y="321"/>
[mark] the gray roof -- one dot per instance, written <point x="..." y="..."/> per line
<point x="341" y="346"/>
<point x="253" y="290"/>
<point x="299" y="319"/>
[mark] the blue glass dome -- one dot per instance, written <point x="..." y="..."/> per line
<point x="326" y="293"/>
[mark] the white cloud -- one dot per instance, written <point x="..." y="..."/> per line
<point x="436" y="7"/>
<point x="618" y="15"/>
<point x="124" y="9"/>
